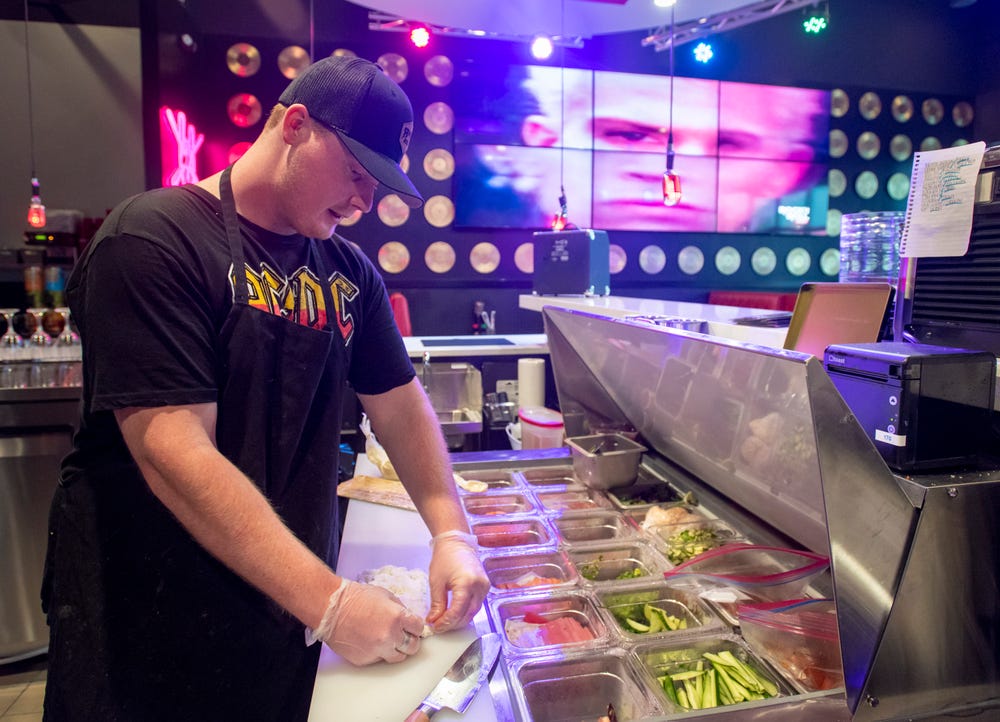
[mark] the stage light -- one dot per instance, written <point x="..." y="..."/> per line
<point x="420" y="36"/>
<point x="815" y="24"/>
<point x="664" y="3"/>
<point x="541" y="47"/>
<point x="817" y="21"/>
<point x="703" y="52"/>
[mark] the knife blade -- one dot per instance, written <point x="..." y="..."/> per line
<point x="462" y="681"/>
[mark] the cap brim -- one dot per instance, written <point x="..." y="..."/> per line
<point x="383" y="169"/>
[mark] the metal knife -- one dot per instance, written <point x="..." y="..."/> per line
<point x="461" y="682"/>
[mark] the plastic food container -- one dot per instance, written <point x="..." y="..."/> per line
<point x="621" y="563"/>
<point x="546" y="622"/>
<point x="662" y="660"/>
<point x="605" y="461"/>
<point x="681" y="542"/>
<point x="552" y="478"/>
<point x="512" y="534"/>
<point x="654" y="611"/>
<point x="495" y="479"/>
<point x="580" y="686"/>
<point x="524" y="572"/>
<point x="801" y="640"/>
<point x="575" y="528"/>
<point x="497" y="504"/>
<point x="774" y="573"/>
<point x="572" y="500"/>
<point x="541" y="428"/>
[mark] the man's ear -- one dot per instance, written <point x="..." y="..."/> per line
<point x="295" y="124"/>
<point x="537" y="130"/>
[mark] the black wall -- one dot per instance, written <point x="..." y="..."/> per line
<point x="922" y="48"/>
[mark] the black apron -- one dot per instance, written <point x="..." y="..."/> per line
<point x="145" y="625"/>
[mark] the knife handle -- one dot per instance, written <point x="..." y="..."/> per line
<point x="421" y="714"/>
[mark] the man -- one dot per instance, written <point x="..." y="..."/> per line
<point x="194" y="527"/>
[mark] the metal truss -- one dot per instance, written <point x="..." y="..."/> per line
<point x="698" y="29"/>
<point x="386" y="22"/>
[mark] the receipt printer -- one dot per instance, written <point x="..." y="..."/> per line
<point x="573" y="262"/>
<point x="924" y="407"/>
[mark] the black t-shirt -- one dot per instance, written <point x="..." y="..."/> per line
<point x="151" y="293"/>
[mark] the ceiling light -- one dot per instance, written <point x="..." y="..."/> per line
<point x="541" y="47"/>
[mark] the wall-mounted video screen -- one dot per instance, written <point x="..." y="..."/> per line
<point x="752" y="158"/>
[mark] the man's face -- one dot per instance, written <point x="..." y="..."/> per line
<point x="322" y="184"/>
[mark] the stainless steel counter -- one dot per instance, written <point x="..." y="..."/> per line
<point x="719" y="319"/>
<point x="36" y="431"/>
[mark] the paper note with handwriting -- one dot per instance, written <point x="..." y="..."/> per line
<point x="939" y="210"/>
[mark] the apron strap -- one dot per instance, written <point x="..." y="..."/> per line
<point x="240" y="294"/>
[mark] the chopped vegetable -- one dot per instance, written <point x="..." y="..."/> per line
<point x="690" y="543"/>
<point x="647" y="619"/>
<point x="724" y="680"/>
<point x="632" y="573"/>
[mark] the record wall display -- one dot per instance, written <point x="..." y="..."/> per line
<point x="293" y="60"/>
<point x="244" y="110"/>
<point x="243" y="59"/>
<point x="394" y="65"/>
<point x="439" y="71"/>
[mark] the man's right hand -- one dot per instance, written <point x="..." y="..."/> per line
<point x="367" y="624"/>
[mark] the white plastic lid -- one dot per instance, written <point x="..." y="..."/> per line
<point x="540" y="416"/>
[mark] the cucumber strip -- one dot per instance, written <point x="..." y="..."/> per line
<point x="682" y="699"/>
<point x="735" y="689"/>
<point x="709" y="696"/>
<point x="668" y="687"/>
<point x="692" y="694"/>
<point x="690" y="674"/>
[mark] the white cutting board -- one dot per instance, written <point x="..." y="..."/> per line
<point x="376" y="535"/>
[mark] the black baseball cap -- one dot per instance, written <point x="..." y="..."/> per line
<point x="367" y="110"/>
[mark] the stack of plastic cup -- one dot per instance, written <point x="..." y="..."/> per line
<point x="869" y="246"/>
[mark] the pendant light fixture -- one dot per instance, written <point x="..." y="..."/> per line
<point x="671" y="181"/>
<point x="36" y="211"/>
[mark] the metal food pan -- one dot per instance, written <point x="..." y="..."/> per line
<point x="681" y="542"/>
<point x="497" y="504"/>
<point x="634" y="562"/>
<point x="620" y="605"/>
<point x="518" y="573"/>
<point x="512" y="534"/>
<point x="537" y="623"/>
<point x="552" y="478"/>
<point x="671" y="656"/>
<point x="572" y="500"/>
<point x="495" y="479"/>
<point x="576" y="528"/>
<point x="579" y="687"/>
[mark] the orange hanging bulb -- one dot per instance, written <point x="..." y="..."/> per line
<point x="671" y="188"/>
<point x="36" y="211"/>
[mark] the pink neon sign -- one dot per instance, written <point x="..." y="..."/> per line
<point x="179" y="145"/>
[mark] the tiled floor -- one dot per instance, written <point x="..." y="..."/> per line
<point x="22" y="688"/>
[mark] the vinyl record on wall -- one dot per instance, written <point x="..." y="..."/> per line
<point x="962" y="114"/>
<point x="439" y="164"/>
<point x="439" y="71"/>
<point x="243" y="110"/>
<point x="243" y="59"/>
<point x="293" y="60"/>
<point x="394" y="66"/>
<point x="902" y="108"/>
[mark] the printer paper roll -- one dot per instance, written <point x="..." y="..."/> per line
<point x="530" y="382"/>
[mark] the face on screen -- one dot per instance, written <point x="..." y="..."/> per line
<point x="751" y="158"/>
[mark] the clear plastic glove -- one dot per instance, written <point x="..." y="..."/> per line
<point x="455" y="569"/>
<point x="365" y="624"/>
